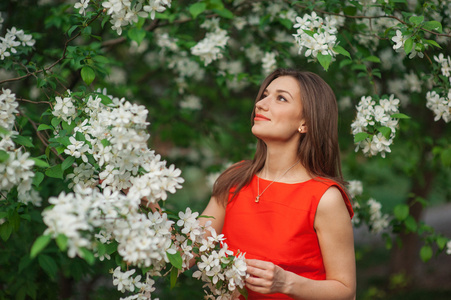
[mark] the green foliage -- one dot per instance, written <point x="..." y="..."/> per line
<point x="82" y="53"/>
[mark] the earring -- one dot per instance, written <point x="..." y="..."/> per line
<point x="300" y="130"/>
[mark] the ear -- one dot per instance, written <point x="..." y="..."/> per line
<point x="303" y="127"/>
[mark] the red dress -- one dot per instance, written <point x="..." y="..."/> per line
<point x="279" y="228"/>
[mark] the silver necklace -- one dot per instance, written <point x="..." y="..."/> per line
<point x="257" y="199"/>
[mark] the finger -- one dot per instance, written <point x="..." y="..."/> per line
<point x="258" y="282"/>
<point x="257" y="272"/>
<point x="261" y="264"/>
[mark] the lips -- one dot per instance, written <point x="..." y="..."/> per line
<point x="259" y="117"/>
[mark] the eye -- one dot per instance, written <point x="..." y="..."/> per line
<point x="281" y="98"/>
<point x="264" y="95"/>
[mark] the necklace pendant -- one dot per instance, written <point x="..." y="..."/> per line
<point x="257" y="199"/>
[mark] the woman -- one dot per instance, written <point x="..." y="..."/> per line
<point x="287" y="208"/>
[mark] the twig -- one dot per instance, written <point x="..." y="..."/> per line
<point x="370" y="18"/>
<point x="57" y="61"/>
<point x="35" y="102"/>
<point x="43" y="140"/>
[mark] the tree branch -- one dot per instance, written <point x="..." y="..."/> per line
<point x="370" y="18"/>
<point x="57" y="61"/>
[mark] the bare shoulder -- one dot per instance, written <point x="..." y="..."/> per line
<point x="332" y="207"/>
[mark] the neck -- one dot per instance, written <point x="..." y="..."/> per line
<point x="278" y="161"/>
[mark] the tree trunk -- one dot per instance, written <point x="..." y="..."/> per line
<point x="405" y="256"/>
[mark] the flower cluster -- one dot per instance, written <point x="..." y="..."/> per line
<point x="15" y="167"/>
<point x="316" y="34"/>
<point x="439" y="103"/>
<point x="127" y="12"/>
<point x="210" y="47"/>
<point x="375" y="124"/>
<point x="8" y="107"/>
<point x="13" y="39"/>
<point x="269" y="62"/>
<point x="113" y="135"/>
<point x="125" y="281"/>
<point x="222" y="272"/>
<point x="399" y="39"/>
<point x="65" y="109"/>
<point x="378" y="220"/>
<point x="441" y="106"/>
<point x="370" y="211"/>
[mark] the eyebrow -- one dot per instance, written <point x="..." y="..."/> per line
<point x="280" y="91"/>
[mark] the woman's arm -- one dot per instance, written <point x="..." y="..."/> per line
<point x="217" y="212"/>
<point x="335" y="236"/>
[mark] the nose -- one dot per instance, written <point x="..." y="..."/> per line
<point x="262" y="104"/>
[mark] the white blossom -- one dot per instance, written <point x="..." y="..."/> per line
<point x="210" y="48"/>
<point x="370" y="114"/>
<point x="321" y="37"/>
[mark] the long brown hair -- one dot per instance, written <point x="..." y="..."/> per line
<point x="318" y="149"/>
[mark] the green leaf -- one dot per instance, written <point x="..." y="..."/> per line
<point x="350" y="10"/>
<point x="361" y="136"/>
<point x="441" y="242"/>
<point x="243" y="292"/>
<point x="342" y="51"/>
<point x="137" y="35"/>
<point x="105" y="142"/>
<point x="400" y="116"/>
<point x="225" y="13"/>
<point x="309" y="32"/>
<point x="3" y="130"/>
<point x="426" y="253"/>
<point x="411" y="224"/>
<point x="445" y="157"/>
<point x="433" y="25"/>
<point x="40" y="163"/>
<point x="68" y="127"/>
<point x="105" y="99"/>
<point x="373" y="58"/>
<point x="173" y="277"/>
<point x="344" y="62"/>
<point x="87" y="255"/>
<point x="417" y="20"/>
<point x="61" y="241"/>
<point x="48" y="264"/>
<point x="386" y="131"/>
<point x="5" y="231"/>
<point x="324" y="60"/>
<point x="67" y="163"/>
<point x="401" y="211"/>
<point x="55" y="172"/>
<point x="39" y="245"/>
<point x="175" y="259"/>
<point x="37" y="179"/>
<point x="21" y="140"/>
<point x="44" y="127"/>
<point x="408" y="45"/>
<point x="88" y="75"/>
<point x="3" y="156"/>
<point x="24" y="262"/>
<point x="286" y="23"/>
<point x="101" y="249"/>
<point x="197" y="8"/>
<point x="69" y="32"/>
<point x="55" y="122"/>
<point x="433" y="43"/>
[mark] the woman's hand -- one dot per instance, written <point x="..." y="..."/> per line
<point x="265" y="277"/>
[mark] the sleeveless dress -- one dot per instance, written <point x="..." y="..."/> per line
<point x="279" y="228"/>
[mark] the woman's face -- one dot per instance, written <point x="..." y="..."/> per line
<point x="278" y="115"/>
